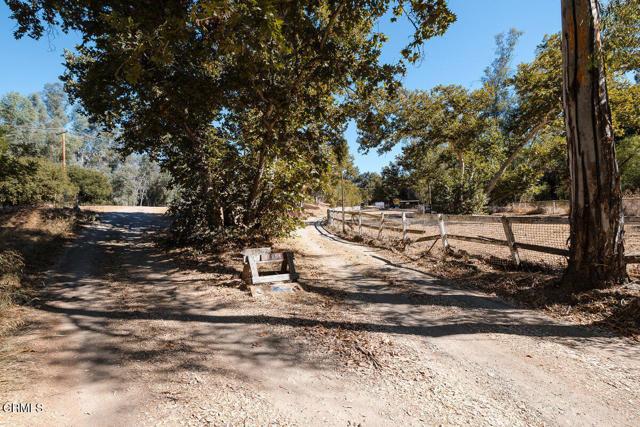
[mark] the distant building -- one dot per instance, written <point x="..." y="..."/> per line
<point x="408" y="204"/>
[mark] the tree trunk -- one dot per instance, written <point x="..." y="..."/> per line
<point x="461" y="163"/>
<point x="596" y="255"/>
<point x="342" y="190"/>
<point x="249" y="214"/>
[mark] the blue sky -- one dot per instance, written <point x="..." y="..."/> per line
<point x="458" y="57"/>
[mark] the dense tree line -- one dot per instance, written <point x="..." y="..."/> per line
<point x="31" y="157"/>
<point x="244" y="103"/>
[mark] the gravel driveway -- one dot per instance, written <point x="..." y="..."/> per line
<point x="125" y="335"/>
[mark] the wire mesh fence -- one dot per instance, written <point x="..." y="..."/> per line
<point x="538" y="240"/>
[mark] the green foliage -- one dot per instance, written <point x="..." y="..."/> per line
<point x="4" y="145"/>
<point x="506" y="138"/>
<point x="29" y="127"/>
<point x="32" y="131"/>
<point x="368" y="182"/>
<point x="497" y="75"/>
<point x="458" y="198"/>
<point x="628" y="154"/>
<point x="539" y="172"/>
<point x="29" y="181"/>
<point x="621" y="38"/>
<point x="329" y="185"/>
<point x="139" y="181"/>
<point x="93" y="187"/>
<point x="352" y="195"/>
<point x="246" y="108"/>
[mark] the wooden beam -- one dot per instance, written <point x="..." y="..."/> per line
<point x="538" y="220"/>
<point x="632" y="258"/>
<point x="404" y="226"/>
<point x="508" y="232"/>
<point x="275" y="278"/>
<point x="427" y="238"/>
<point x="381" y="224"/>
<point x="478" y="239"/>
<point x="545" y="249"/>
<point x="370" y="215"/>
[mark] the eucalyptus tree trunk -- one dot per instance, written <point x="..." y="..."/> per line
<point x="596" y="255"/>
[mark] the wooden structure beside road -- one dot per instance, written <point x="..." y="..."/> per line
<point x="253" y="258"/>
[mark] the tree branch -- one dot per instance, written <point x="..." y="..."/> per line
<point x="496" y="177"/>
<point x="332" y="20"/>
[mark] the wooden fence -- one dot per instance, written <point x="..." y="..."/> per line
<point x="412" y="235"/>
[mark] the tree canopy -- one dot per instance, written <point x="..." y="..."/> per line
<point x="241" y="101"/>
<point x="506" y="138"/>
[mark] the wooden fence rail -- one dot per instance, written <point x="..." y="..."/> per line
<point x="441" y="221"/>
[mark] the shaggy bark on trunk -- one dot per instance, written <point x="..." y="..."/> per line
<point x="596" y="255"/>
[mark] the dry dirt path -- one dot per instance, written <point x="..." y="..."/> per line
<point x="123" y="336"/>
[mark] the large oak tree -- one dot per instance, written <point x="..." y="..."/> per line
<point x="241" y="100"/>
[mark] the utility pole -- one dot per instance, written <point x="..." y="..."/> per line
<point x="342" y="188"/>
<point x="64" y="149"/>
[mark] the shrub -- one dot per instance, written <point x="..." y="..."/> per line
<point x="93" y="186"/>
<point x="458" y="198"/>
<point x="29" y="181"/>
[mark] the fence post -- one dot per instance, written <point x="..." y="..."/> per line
<point x="380" y="229"/>
<point x="445" y="242"/>
<point x="328" y="216"/>
<point x="404" y="227"/>
<point x="508" y="232"/>
<point x="360" y="222"/>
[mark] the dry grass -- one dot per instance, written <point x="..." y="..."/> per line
<point x="315" y="210"/>
<point x="30" y="239"/>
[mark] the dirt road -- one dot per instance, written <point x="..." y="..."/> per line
<point x="122" y="336"/>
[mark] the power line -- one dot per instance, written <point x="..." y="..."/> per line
<point x="51" y="128"/>
<point x="34" y="127"/>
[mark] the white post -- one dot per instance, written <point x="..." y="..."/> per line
<point x="342" y="187"/>
<point x="404" y="226"/>
<point x="443" y="233"/>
